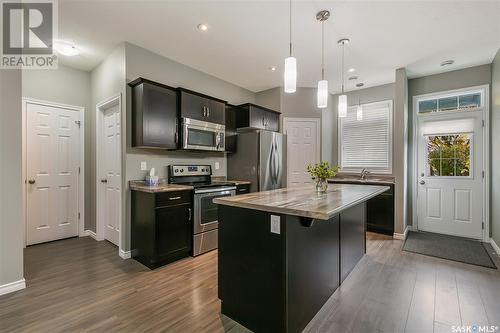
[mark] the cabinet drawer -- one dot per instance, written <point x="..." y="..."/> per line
<point x="172" y="198"/>
<point x="243" y="189"/>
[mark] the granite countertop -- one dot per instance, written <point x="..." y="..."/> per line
<point x="140" y="185"/>
<point x="383" y="180"/>
<point x="216" y="179"/>
<point x="304" y="201"/>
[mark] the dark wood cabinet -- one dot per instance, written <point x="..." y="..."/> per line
<point x="352" y="238"/>
<point x="256" y="117"/>
<point x="380" y="213"/>
<point x="201" y="107"/>
<point x="231" y="134"/>
<point x="154" y="115"/>
<point x="161" y="227"/>
<point x="242" y="189"/>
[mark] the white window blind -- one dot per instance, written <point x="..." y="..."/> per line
<point x="367" y="143"/>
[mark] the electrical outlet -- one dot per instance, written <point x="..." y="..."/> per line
<point x="275" y="224"/>
<point x="217" y="165"/>
<point x="144" y="166"/>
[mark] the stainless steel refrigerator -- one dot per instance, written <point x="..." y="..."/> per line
<point x="260" y="157"/>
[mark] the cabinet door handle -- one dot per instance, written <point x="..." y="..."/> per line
<point x="174" y="198"/>
<point x="204" y="111"/>
<point x="208" y="109"/>
<point x="176" y="137"/>
<point x="189" y="214"/>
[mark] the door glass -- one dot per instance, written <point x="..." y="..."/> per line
<point x="209" y="212"/>
<point x="469" y="101"/>
<point x="448" y="103"/>
<point x="449" y="155"/>
<point x="201" y="138"/>
<point x="427" y="106"/>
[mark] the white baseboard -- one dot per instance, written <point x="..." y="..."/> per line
<point x="402" y="236"/>
<point x="125" y="254"/>
<point x="495" y="246"/>
<point x="13" y="286"/>
<point x="90" y="233"/>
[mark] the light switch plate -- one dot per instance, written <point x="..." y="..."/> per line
<point x="217" y="166"/>
<point x="144" y="166"/>
<point x="275" y="224"/>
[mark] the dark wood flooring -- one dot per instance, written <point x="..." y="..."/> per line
<point x="80" y="285"/>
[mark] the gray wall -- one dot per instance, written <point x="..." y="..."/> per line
<point x="11" y="224"/>
<point x="463" y="78"/>
<point x="67" y="86"/>
<point x="495" y="144"/>
<point x="270" y="98"/>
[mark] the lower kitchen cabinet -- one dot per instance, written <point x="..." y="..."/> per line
<point x="242" y="189"/>
<point x="161" y="227"/>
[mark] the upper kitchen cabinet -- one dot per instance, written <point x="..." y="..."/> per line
<point x="154" y="115"/>
<point x="257" y="117"/>
<point x="202" y="107"/>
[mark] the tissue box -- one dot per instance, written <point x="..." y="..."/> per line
<point x="152" y="181"/>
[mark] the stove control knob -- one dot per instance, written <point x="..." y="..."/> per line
<point x="176" y="170"/>
<point x="182" y="170"/>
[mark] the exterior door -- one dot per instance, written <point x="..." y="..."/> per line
<point x="450" y="174"/>
<point x="52" y="162"/>
<point x="111" y="169"/>
<point x="303" y="148"/>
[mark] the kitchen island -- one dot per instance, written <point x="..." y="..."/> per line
<point x="283" y="253"/>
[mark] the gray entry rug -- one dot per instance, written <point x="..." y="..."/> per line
<point x="448" y="247"/>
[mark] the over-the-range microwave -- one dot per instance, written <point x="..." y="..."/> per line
<point x="202" y="135"/>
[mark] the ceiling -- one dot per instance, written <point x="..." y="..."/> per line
<point x="246" y="38"/>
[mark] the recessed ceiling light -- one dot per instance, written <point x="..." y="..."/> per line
<point x="351" y="78"/>
<point x="351" y="70"/>
<point x="202" y="27"/>
<point x="359" y="85"/>
<point x="272" y="69"/>
<point x="447" y="62"/>
<point x="66" y="49"/>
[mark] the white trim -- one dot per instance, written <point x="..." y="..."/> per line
<point x="12" y="286"/>
<point x="391" y="140"/>
<point x="318" y="136"/>
<point x="402" y="236"/>
<point x="109" y="102"/>
<point x="486" y="148"/>
<point x="81" y="177"/>
<point x="495" y="246"/>
<point x="89" y="233"/>
<point x="125" y="254"/>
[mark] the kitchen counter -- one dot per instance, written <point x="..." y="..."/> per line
<point x="283" y="253"/>
<point x="304" y="201"/>
<point x="141" y="186"/>
<point x="216" y="179"/>
<point x="369" y="180"/>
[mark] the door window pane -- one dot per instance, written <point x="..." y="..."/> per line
<point x="448" y="155"/>
<point x="470" y="101"/>
<point x="427" y="106"/>
<point x="448" y="103"/>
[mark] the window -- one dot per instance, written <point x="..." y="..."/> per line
<point x="367" y="143"/>
<point x="454" y="102"/>
<point x="449" y="155"/>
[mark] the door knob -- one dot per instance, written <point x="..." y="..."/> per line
<point x="31" y="181"/>
<point x="422" y="182"/>
<point x="104" y="180"/>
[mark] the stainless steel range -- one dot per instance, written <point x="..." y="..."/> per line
<point x="205" y="212"/>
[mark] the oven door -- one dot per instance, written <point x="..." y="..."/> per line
<point x="199" y="135"/>
<point x="206" y="213"/>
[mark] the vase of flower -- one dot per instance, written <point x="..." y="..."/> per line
<point x="320" y="172"/>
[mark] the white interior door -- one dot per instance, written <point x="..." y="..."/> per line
<point x="111" y="173"/>
<point x="52" y="161"/>
<point x="303" y="148"/>
<point x="450" y="174"/>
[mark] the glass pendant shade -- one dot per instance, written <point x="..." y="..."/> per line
<point x="290" y="75"/>
<point x="359" y="113"/>
<point x="342" y="106"/>
<point x="322" y="94"/>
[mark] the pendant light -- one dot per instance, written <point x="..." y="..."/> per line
<point x="290" y="76"/>
<point x="322" y="16"/>
<point x="342" y="105"/>
<point x="359" y="111"/>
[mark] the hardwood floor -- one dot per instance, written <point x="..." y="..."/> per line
<point x="79" y="285"/>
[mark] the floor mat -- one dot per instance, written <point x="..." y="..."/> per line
<point x="448" y="247"/>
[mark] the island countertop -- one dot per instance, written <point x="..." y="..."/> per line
<point x="304" y="201"/>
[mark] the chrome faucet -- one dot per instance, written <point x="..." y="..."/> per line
<point x="363" y="174"/>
